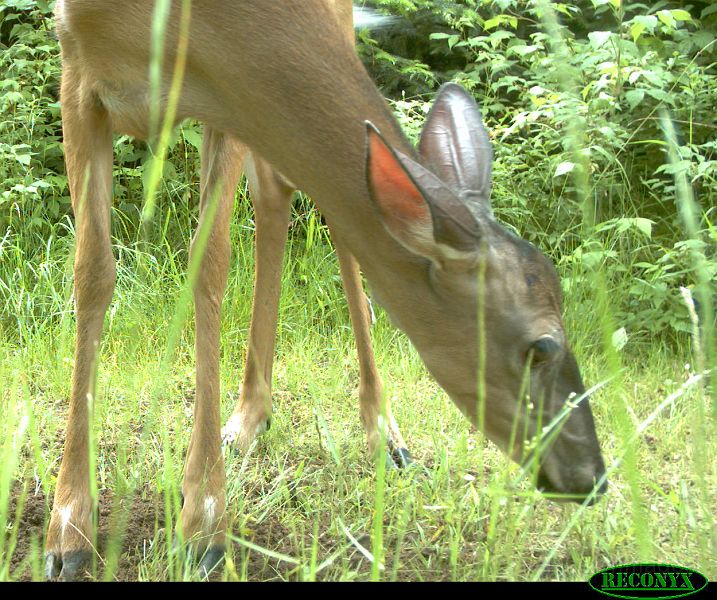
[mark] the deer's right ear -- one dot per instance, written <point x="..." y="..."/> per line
<point x="416" y="207"/>
<point x="405" y="212"/>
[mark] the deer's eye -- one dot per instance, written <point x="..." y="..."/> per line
<point x="544" y="350"/>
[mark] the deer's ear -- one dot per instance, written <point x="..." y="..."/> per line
<point x="416" y="207"/>
<point x="455" y="144"/>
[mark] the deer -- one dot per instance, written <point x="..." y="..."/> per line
<point x="285" y="98"/>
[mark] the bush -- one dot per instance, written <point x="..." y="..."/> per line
<point x="618" y="68"/>
<point x="580" y="167"/>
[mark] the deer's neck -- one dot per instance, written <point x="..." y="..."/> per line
<point x="308" y="112"/>
<point x="302" y="103"/>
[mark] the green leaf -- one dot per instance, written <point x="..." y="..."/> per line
<point x="192" y="137"/>
<point x="636" y="31"/>
<point x="453" y="39"/>
<point x="649" y="21"/>
<point x="666" y="18"/>
<point x="9" y="83"/>
<point x="13" y="97"/>
<point x="681" y="15"/>
<point x="21" y="4"/>
<point x="564" y="168"/>
<point x="524" y="50"/>
<point x="660" y="95"/>
<point x="642" y="23"/>
<point x="619" y="339"/>
<point x="599" y="38"/>
<point x="634" y="97"/>
<point x="501" y="20"/>
<point x="499" y="36"/>
<point x="644" y="225"/>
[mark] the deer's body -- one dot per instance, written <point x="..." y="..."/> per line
<point x="283" y="79"/>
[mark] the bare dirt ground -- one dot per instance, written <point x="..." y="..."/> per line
<point x="145" y="517"/>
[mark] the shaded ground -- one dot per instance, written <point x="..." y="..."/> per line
<point x="144" y="533"/>
<point x="144" y="517"/>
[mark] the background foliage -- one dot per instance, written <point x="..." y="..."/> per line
<point x="583" y="168"/>
<point x="624" y="63"/>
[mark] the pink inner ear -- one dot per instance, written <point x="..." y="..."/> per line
<point x="394" y="192"/>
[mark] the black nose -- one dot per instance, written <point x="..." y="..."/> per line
<point x="575" y="494"/>
<point x="598" y="494"/>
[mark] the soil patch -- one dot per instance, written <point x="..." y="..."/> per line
<point x="144" y="518"/>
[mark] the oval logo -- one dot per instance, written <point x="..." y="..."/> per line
<point x="649" y="580"/>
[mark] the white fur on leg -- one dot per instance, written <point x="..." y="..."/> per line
<point x="232" y="430"/>
<point x="210" y="509"/>
<point x="65" y="513"/>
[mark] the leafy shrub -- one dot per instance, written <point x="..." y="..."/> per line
<point x="609" y="206"/>
<point x="33" y="188"/>
<point x="620" y="66"/>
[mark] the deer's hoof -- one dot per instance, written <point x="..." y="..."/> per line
<point x="401" y="457"/>
<point x="211" y="560"/>
<point x="68" y="567"/>
<point x="398" y="457"/>
<point x="208" y="560"/>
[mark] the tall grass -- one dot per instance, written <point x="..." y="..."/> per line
<point x="307" y="502"/>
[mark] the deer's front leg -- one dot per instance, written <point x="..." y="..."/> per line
<point x="88" y="156"/>
<point x="203" y="513"/>
<point x="370" y="387"/>
<point x="271" y="196"/>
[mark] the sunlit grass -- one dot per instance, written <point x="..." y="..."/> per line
<point x="302" y="502"/>
<point x="307" y="502"/>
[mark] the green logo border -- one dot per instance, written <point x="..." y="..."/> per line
<point x="687" y="569"/>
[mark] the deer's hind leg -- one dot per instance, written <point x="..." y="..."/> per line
<point x="204" y="519"/>
<point x="88" y="156"/>
<point x="271" y="196"/>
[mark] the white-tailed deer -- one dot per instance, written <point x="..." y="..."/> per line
<point x="481" y="305"/>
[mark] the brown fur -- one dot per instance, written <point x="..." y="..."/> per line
<point x="223" y="157"/>
<point x="283" y="77"/>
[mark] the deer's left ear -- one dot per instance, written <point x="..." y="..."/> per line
<point x="416" y="207"/>
<point x="455" y="145"/>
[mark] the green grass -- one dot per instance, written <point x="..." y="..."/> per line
<point x="307" y="502"/>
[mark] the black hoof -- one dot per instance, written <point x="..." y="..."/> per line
<point x="53" y="565"/>
<point x="230" y="448"/>
<point x="68" y="568"/>
<point x="211" y="560"/>
<point x="400" y="457"/>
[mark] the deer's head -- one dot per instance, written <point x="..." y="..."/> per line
<point x="494" y="338"/>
